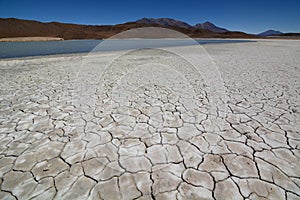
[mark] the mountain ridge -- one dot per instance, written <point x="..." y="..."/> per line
<point x="210" y="26"/>
<point x="169" y="22"/>
<point x="270" y="33"/>
<point x="13" y="27"/>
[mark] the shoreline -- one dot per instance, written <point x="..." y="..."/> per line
<point x="112" y="51"/>
<point x="115" y="50"/>
<point x="49" y="39"/>
<point x="31" y="39"/>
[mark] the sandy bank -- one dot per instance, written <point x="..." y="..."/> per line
<point x="30" y="39"/>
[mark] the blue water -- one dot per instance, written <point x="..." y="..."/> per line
<point x="24" y="49"/>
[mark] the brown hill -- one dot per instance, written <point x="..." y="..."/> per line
<point x="165" y="22"/>
<point x="211" y="27"/>
<point x="11" y="27"/>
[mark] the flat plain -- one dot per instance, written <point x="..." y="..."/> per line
<point x="145" y="125"/>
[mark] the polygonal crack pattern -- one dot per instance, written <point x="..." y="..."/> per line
<point x="148" y="130"/>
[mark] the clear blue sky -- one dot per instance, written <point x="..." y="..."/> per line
<point x="244" y="15"/>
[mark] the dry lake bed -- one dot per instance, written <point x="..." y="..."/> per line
<point x="149" y="124"/>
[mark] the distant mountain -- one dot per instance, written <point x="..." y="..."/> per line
<point x="166" y="22"/>
<point x="12" y="27"/>
<point x="270" y="33"/>
<point x="210" y="26"/>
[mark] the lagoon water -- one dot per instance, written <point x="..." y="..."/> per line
<point x="24" y="49"/>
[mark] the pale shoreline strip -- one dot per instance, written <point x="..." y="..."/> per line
<point x="30" y="39"/>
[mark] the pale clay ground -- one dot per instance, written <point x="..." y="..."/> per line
<point x="71" y="130"/>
